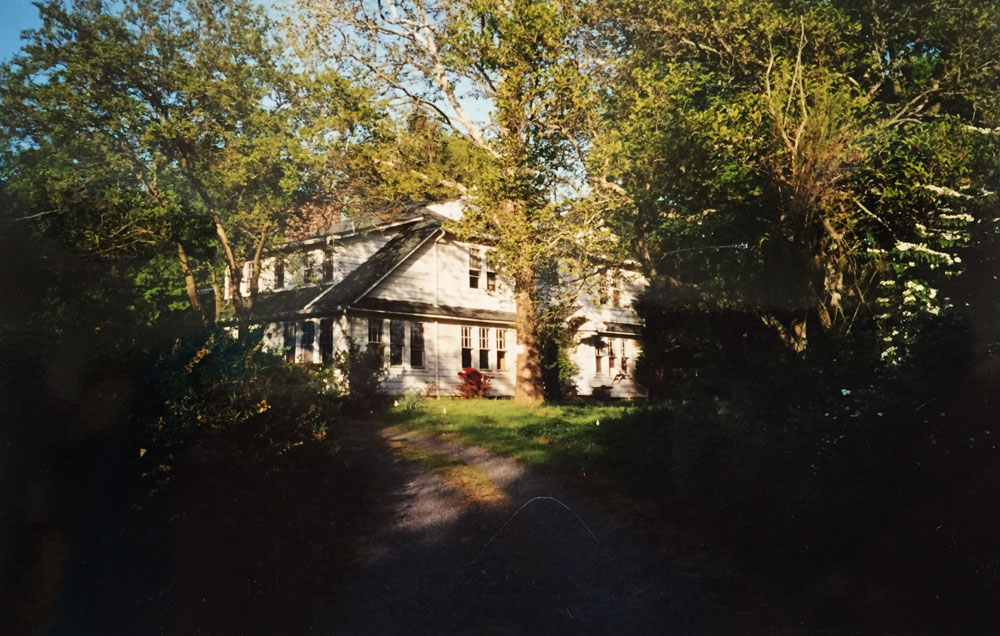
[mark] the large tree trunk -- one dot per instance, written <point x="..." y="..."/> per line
<point x="189" y="283"/>
<point x="528" y="389"/>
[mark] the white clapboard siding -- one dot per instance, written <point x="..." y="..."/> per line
<point x="347" y="255"/>
<point x="438" y="273"/>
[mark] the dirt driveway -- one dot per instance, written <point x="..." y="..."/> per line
<point x="480" y="544"/>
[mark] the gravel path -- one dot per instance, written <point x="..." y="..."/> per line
<point x="537" y="561"/>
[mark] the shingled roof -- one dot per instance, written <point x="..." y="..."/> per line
<point x="284" y="303"/>
<point x="370" y="273"/>
<point x="426" y="309"/>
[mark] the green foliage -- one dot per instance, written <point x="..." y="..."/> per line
<point x="558" y="338"/>
<point x="798" y="158"/>
<point x="212" y="384"/>
<point x="360" y="371"/>
<point x="155" y="126"/>
<point x="411" y="402"/>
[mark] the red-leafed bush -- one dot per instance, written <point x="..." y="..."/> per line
<point x="475" y="384"/>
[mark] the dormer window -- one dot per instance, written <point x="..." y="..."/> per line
<point x="475" y="267"/>
<point x="491" y="275"/>
<point x="327" y="267"/>
<point x="279" y="274"/>
<point x="308" y="269"/>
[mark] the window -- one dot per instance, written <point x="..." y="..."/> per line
<point x="327" y="267"/>
<point x="616" y="296"/>
<point x="599" y="352"/>
<point x="397" y="329"/>
<point x="307" y="269"/>
<point x="326" y="340"/>
<point x="484" y="348"/>
<point x="289" y="341"/>
<point x="279" y="274"/>
<point x="416" y="344"/>
<point x="491" y="275"/>
<point x="611" y="355"/>
<point x="501" y="349"/>
<point x="624" y="363"/>
<point x="475" y="266"/>
<point x="602" y="292"/>
<point x="466" y="347"/>
<point x="374" y="331"/>
<point x="308" y="337"/>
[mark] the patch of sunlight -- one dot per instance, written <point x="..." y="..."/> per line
<point x="474" y="483"/>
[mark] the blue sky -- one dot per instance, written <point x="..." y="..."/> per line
<point x="15" y="16"/>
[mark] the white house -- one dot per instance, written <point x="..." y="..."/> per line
<point x="433" y="302"/>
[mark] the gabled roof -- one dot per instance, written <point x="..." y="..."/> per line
<point x="283" y="303"/>
<point x="374" y="270"/>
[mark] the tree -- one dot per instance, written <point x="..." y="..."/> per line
<point x="525" y="61"/>
<point x="173" y="127"/>
<point x="801" y="157"/>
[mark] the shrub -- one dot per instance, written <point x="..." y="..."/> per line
<point x="411" y="401"/>
<point x="210" y="384"/>
<point x="361" y="371"/>
<point x="474" y="384"/>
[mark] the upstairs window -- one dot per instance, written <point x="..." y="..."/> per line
<point x="416" y="344"/>
<point x="602" y="292"/>
<point x="491" y="275"/>
<point x="616" y="295"/>
<point x="501" y="349"/>
<point x="374" y="331"/>
<point x="397" y="330"/>
<point x="279" y="274"/>
<point x="308" y="275"/>
<point x="475" y="267"/>
<point x="484" y="348"/>
<point x="466" y="347"/>
<point x="327" y="267"/>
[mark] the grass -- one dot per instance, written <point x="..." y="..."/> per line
<point x="562" y="436"/>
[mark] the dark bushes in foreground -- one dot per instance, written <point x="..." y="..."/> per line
<point x="865" y="489"/>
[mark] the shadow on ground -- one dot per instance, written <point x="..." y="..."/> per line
<point x="349" y="537"/>
<point x="539" y="561"/>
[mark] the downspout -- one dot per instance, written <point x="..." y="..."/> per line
<point x="437" y="327"/>
<point x="437" y="359"/>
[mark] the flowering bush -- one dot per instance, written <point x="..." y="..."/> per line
<point x="475" y="384"/>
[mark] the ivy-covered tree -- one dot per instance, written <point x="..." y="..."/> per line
<point x="175" y="129"/>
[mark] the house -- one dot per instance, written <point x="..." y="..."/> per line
<point x="433" y="302"/>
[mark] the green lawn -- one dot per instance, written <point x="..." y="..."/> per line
<point x="562" y="435"/>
